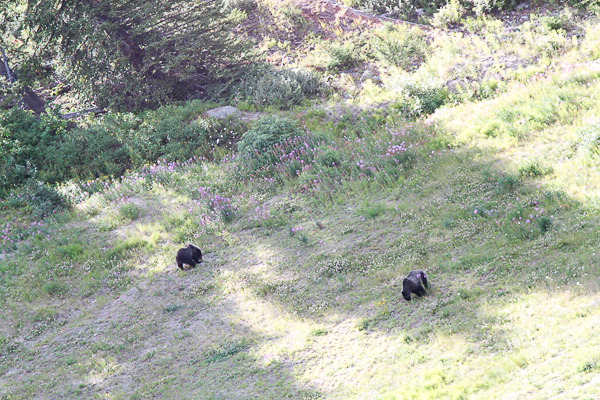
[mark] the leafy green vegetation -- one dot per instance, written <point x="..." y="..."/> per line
<point x="279" y="88"/>
<point x="129" y="56"/>
<point x="50" y="150"/>
<point x="474" y="158"/>
<point x="267" y="132"/>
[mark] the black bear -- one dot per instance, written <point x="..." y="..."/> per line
<point x="190" y="255"/>
<point x="413" y="283"/>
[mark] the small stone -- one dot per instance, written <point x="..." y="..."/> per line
<point x="366" y="75"/>
<point x="221" y="112"/>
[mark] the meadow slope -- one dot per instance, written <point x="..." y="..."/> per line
<point x="305" y="249"/>
<point x="496" y="195"/>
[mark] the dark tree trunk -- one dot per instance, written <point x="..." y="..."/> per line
<point x="30" y="98"/>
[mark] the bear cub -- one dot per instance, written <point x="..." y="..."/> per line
<point x="413" y="283"/>
<point x="190" y="255"/>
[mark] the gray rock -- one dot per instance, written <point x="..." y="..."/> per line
<point x="366" y="75"/>
<point x="221" y="112"/>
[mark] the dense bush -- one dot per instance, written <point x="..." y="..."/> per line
<point x="52" y="150"/>
<point x="399" y="45"/>
<point x="482" y="6"/>
<point x="42" y="199"/>
<point x="29" y="145"/>
<point x="340" y="55"/>
<point x="406" y="9"/>
<point x="245" y="5"/>
<point x="395" y="8"/>
<point x="593" y="5"/>
<point x="417" y="96"/>
<point x="346" y="52"/>
<point x="449" y="15"/>
<point x="37" y="199"/>
<point x="547" y="35"/>
<point x="132" y="55"/>
<point x="279" y="88"/>
<point x="266" y="132"/>
<point x="589" y="137"/>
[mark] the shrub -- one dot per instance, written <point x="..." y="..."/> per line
<point x="589" y="137"/>
<point x="266" y="132"/>
<point x="221" y="352"/>
<point x="591" y="43"/>
<point x="401" y="9"/>
<point x="42" y="199"/>
<point x="45" y="315"/>
<point x="245" y="5"/>
<point x="406" y="9"/>
<point x="173" y="307"/>
<point x="173" y="133"/>
<point x="533" y="168"/>
<point x="591" y="365"/>
<point x="483" y="24"/>
<point x="508" y="183"/>
<point x="279" y="88"/>
<point x="544" y="224"/>
<point x="551" y="22"/>
<point x="482" y="6"/>
<point x="334" y="266"/>
<point x="449" y="15"/>
<point x="130" y="211"/>
<point x="50" y="150"/>
<point x="417" y="96"/>
<point x="329" y="158"/>
<point x="340" y="55"/>
<point x="29" y="146"/>
<point x="546" y="36"/>
<point x="399" y="45"/>
<point x="502" y="183"/>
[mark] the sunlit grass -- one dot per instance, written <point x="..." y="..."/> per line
<point x="305" y="247"/>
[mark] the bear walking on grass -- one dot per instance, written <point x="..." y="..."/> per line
<point x="413" y="283"/>
<point x="190" y="255"/>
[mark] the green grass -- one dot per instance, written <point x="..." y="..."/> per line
<point x="264" y="302"/>
<point x="304" y="256"/>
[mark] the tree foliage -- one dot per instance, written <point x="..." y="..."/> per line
<point x="131" y="54"/>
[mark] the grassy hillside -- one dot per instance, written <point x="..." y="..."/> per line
<point x="306" y="243"/>
<point x="299" y="293"/>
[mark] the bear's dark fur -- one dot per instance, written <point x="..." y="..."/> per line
<point x="190" y="255"/>
<point x="413" y="283"/>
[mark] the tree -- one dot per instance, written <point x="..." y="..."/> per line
<point x="132" y="54"/>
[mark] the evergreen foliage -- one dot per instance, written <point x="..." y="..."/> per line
<point x="268" y="131"/>
<point x="130" y="55"/>
<point x="407" y="9"/>
<point x="279" y="88"/>
<point x="51" y="150"/>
